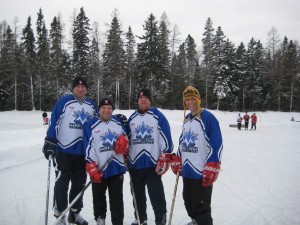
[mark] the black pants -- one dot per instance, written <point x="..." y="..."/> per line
<point x="246" y="125"/>
<point x="115" y="191"/>
<point x="68" y="168"/>
<point x="253" y="125"/>
<point x="197" y="201"/>
<point x="239" y="125"/>
<point x="141" y="178"/>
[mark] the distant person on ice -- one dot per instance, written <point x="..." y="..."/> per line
<point x="104" y="135"/>
<point x="253" y="121"/>
<point x="149" y="153"/>
<point x="239" y="121"/>
<point x="64" y="142"/>
<point x="246" y="119"/>
<point x="45" y="117"/>
<point x="198" y="159"/>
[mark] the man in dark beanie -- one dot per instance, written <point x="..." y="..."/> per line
<point x="148" y="159"/>
<point x="79" y="81"/>
<point x="64" y="144"/>
<point x="145" y="92"/>
<point x="103" y="136"/>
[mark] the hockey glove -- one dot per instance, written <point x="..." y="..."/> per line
<point x="123" y="119"/>
<point x="93" y="172"/>
<point x="211" y="172"/>
<point x="121" y="144"/>
<point x="163" y="163"/>
<point x="176" y="164"/>
<point x="50" y="147"/>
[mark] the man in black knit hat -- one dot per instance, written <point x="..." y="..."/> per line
<point x="149" y="154"/>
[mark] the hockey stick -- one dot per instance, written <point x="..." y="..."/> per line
<point x="173" y="200"/>
<point x="83" y="190"/>
<point x="48" y="190"/>
<point x="133" y="195"/>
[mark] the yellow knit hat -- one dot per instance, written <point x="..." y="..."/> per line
<point x="194" y="93"/>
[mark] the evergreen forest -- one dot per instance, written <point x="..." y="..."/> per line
<point x="38" y="64"/>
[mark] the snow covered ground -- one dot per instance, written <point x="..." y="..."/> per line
<point x="259" y="183"/>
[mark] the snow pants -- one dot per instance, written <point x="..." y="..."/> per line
<point x="68" y="168"/>
<point x="115" y="191"/>
<point x="141" y="178"/>
<point x="239" y="125"/>
<point x="197" y="201"/>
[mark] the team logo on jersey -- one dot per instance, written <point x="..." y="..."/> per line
<point x="143" y="134"/>
<point x="188" y="143"/>
<point x="81" y="118"/>
<point x="108" y="140"/>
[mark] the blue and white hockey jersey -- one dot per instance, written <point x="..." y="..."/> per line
<point x="200" y="142"/>
<point x="99" y="140"/>
<point x="150" y="135"/>
<point x="68" y="118"/>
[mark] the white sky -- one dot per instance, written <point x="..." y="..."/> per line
<point x="240" y="20"/>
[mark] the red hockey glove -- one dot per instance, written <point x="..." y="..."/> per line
<point x="211" y="172"/>
<point x="121" y="144"/>
<point x="176" y="164"/>
<point x="94" y="173"/>
<point x="163" y="163"/>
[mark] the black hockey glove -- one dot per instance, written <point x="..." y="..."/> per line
<point x="123" y="119"/>
<point x="50" y="147"/>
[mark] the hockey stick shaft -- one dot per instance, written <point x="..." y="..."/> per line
<point x="133" y="195"/>
<point x="174" y="197"/>
<point x="83" y="190"/>
<point x="48" y="190"/>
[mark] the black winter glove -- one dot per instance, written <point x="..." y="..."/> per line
<point x="123" y="119"/>
<point x="50" y="147"/>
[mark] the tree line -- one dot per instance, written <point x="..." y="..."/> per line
<point x="36" y="68"/>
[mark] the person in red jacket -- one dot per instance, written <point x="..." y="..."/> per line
<point x="246" y="118"/>
<point x="253" y="121"/>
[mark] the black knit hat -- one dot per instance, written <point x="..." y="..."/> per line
<point x="145" y="92"/>
<point x="79" y="81"/>
<point x="106" y="101"/>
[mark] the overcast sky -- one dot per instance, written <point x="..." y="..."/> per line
<point x="240" y="20"/>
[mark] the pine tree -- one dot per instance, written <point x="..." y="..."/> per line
<point x="163" y="78"/>
<point x="290" y="69"/>
<point x="223" y="86"/>
<point x="239" y="76"/>
<point x="95" y="83"/>
<point x="81" y="51"/>
<point x="130" y="66"/>
<point x="28" y="44"/>
<point x="114" y="64"/>
<point x="43" y="61"/>
<point x="208" y="61"/>
<point x="191" y="60"/>
<point x="255" y="76"/>
<point x="148" y="65"/>
<point x="8" y="71"/>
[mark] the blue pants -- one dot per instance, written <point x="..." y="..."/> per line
<point x="141" y="178"/>
<point x="68" y="168"/>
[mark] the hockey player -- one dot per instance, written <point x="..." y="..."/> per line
<point x="253" y="121"/>
<point x="102" y="136"/>
<point x="198" y="158"/>
<point x="246" y="119"/>
<point x="149" y="154"/>
<point x="239" y="120"/>
<point x="64" y="142"/>
<point x="45" y="118"/>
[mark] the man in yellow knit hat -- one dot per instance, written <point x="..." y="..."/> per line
<point x="198" y="158"/>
